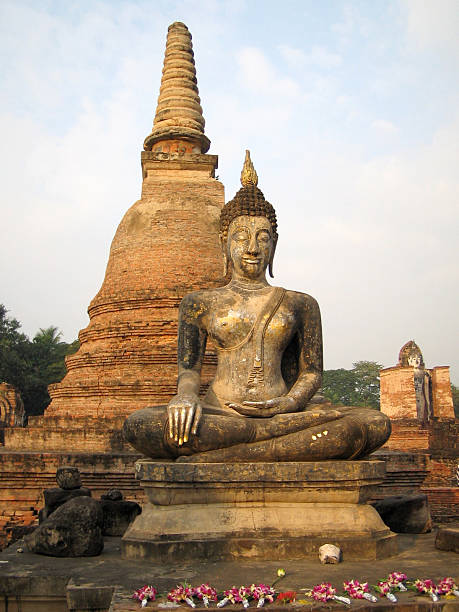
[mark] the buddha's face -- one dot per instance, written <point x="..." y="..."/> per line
<point x="250" y="246"/>
<point x="414" y="360"/>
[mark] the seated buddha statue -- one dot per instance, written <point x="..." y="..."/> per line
<point x="260" y="405"/>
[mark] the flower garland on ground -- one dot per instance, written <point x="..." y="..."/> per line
<point x="182" y="592"/>
<point x="262" y="593"/>
<point x="205" y="593"/>
<point x="359" y="590"/>
<point x="323" y="592"/>
<point x="426" y="587"/>
<point x="396" y="580"/>
<point x="145" y="594"/>
<point x="448" y="587"/>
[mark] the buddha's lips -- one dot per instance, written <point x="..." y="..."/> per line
<point x="251" y="260"/>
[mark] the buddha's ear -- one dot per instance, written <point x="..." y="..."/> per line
<point x="224" y="246"/>
<point x="271" y="260"/>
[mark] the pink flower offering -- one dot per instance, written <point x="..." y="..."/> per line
<point x="359" y="590"/>
<point x="262" y="593"/>
<point x="323" y="592"/>
<point x="396" y="580"/>
<point x="428" y="587"/>
<point x="183" y="592"/>
<point x="447" y="586"/>
<point x="205" y="593"/>
<point x="234" y="595"/>
<point x="385" y="590"/>
<point x="145" y="594"/>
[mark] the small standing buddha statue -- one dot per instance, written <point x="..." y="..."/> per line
<point x="269" y="346"/>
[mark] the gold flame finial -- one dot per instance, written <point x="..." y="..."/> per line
<point x="248" y="174"/>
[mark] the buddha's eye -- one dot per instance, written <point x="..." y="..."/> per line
<point x="264" y="236"/>
<point x="240" y="235"/>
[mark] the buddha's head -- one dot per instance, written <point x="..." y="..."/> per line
<point x="248" y="228"/>
<point x="410" y="355"/>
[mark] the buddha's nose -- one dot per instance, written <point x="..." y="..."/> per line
<point x="253" y="246"/>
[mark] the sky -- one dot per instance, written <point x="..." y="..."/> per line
<point x="350" y="110"/>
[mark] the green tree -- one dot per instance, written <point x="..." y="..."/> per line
<point x="13" y="351"/>
<point x="32" y="365"/>
<point x="338" y="386"/>
<point x="455" y="394"/>
<point x="46" y="366"/>
<point x="367" y="377"/>
<point x="356" y="387"/>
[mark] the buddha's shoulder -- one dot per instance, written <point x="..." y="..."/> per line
<point x="201" y="301"/>
<point x="302" y="301"/>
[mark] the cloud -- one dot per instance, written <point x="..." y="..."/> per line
<point x="386" y="127"/>
<point x="258" y="74"/>
<point x="319" y="57"/>
<point x="432" y="24"/>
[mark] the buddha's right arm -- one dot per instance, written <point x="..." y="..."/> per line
<point x="184" y="410"/>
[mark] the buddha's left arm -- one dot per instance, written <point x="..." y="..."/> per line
<point x="310" y="359"/>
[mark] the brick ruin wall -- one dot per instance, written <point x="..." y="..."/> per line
<point x="25" y="475"/>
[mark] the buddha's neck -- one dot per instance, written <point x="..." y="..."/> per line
<point x="247" y="284"/>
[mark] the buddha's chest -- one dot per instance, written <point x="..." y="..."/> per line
<point x="238" y="320"/>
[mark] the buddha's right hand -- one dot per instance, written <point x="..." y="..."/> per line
<point x="183" y="413"/>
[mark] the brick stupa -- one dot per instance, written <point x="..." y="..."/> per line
<point x="165" y="246"/>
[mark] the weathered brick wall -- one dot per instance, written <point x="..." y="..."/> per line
<point x="444" y="503"/>
<point x="165" y="246"/>
<point x="405" y="472"/>
<point x="398" y="398"/>
<point x="25" y="475"/>
<point x="439" y="441"/>
<point x="11" y="407"/>
<point x="443" y="472"/>
<point x="408" y="435"/>
<point x="442" y="397"/>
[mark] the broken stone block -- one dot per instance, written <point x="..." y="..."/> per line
<point x="54" y="498"/>
<point x="329" y="553"/>
<point x="118" y="515"/>
<point x="113" y="495"/>
<point x="73" y="530"/>
<point x="405" y="513"/>
<point x="447" y="539"/>
<point x="68" y="477"/>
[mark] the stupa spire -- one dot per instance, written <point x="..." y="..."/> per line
<point x="178" y="117"/>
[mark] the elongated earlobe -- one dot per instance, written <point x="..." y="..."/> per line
<point x="224" y="246"/>
<point x="271" y="260"/>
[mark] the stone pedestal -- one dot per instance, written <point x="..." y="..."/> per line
<point x="258" y="511"/>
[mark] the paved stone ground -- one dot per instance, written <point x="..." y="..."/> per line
<point x="87" y="582"/>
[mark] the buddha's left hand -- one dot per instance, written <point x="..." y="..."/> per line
<point x="266" y="408"/>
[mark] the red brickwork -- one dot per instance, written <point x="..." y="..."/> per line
<point x="11" y="407"/>
<point x="439" y="440"/>
<point x="25" y="475"/>
<point x="25" y="516"/>
<point x="442" y="396"/>
<point x="398" y="399"/>
<point x="444" y="503"/>
<point x="165" y="246"/>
